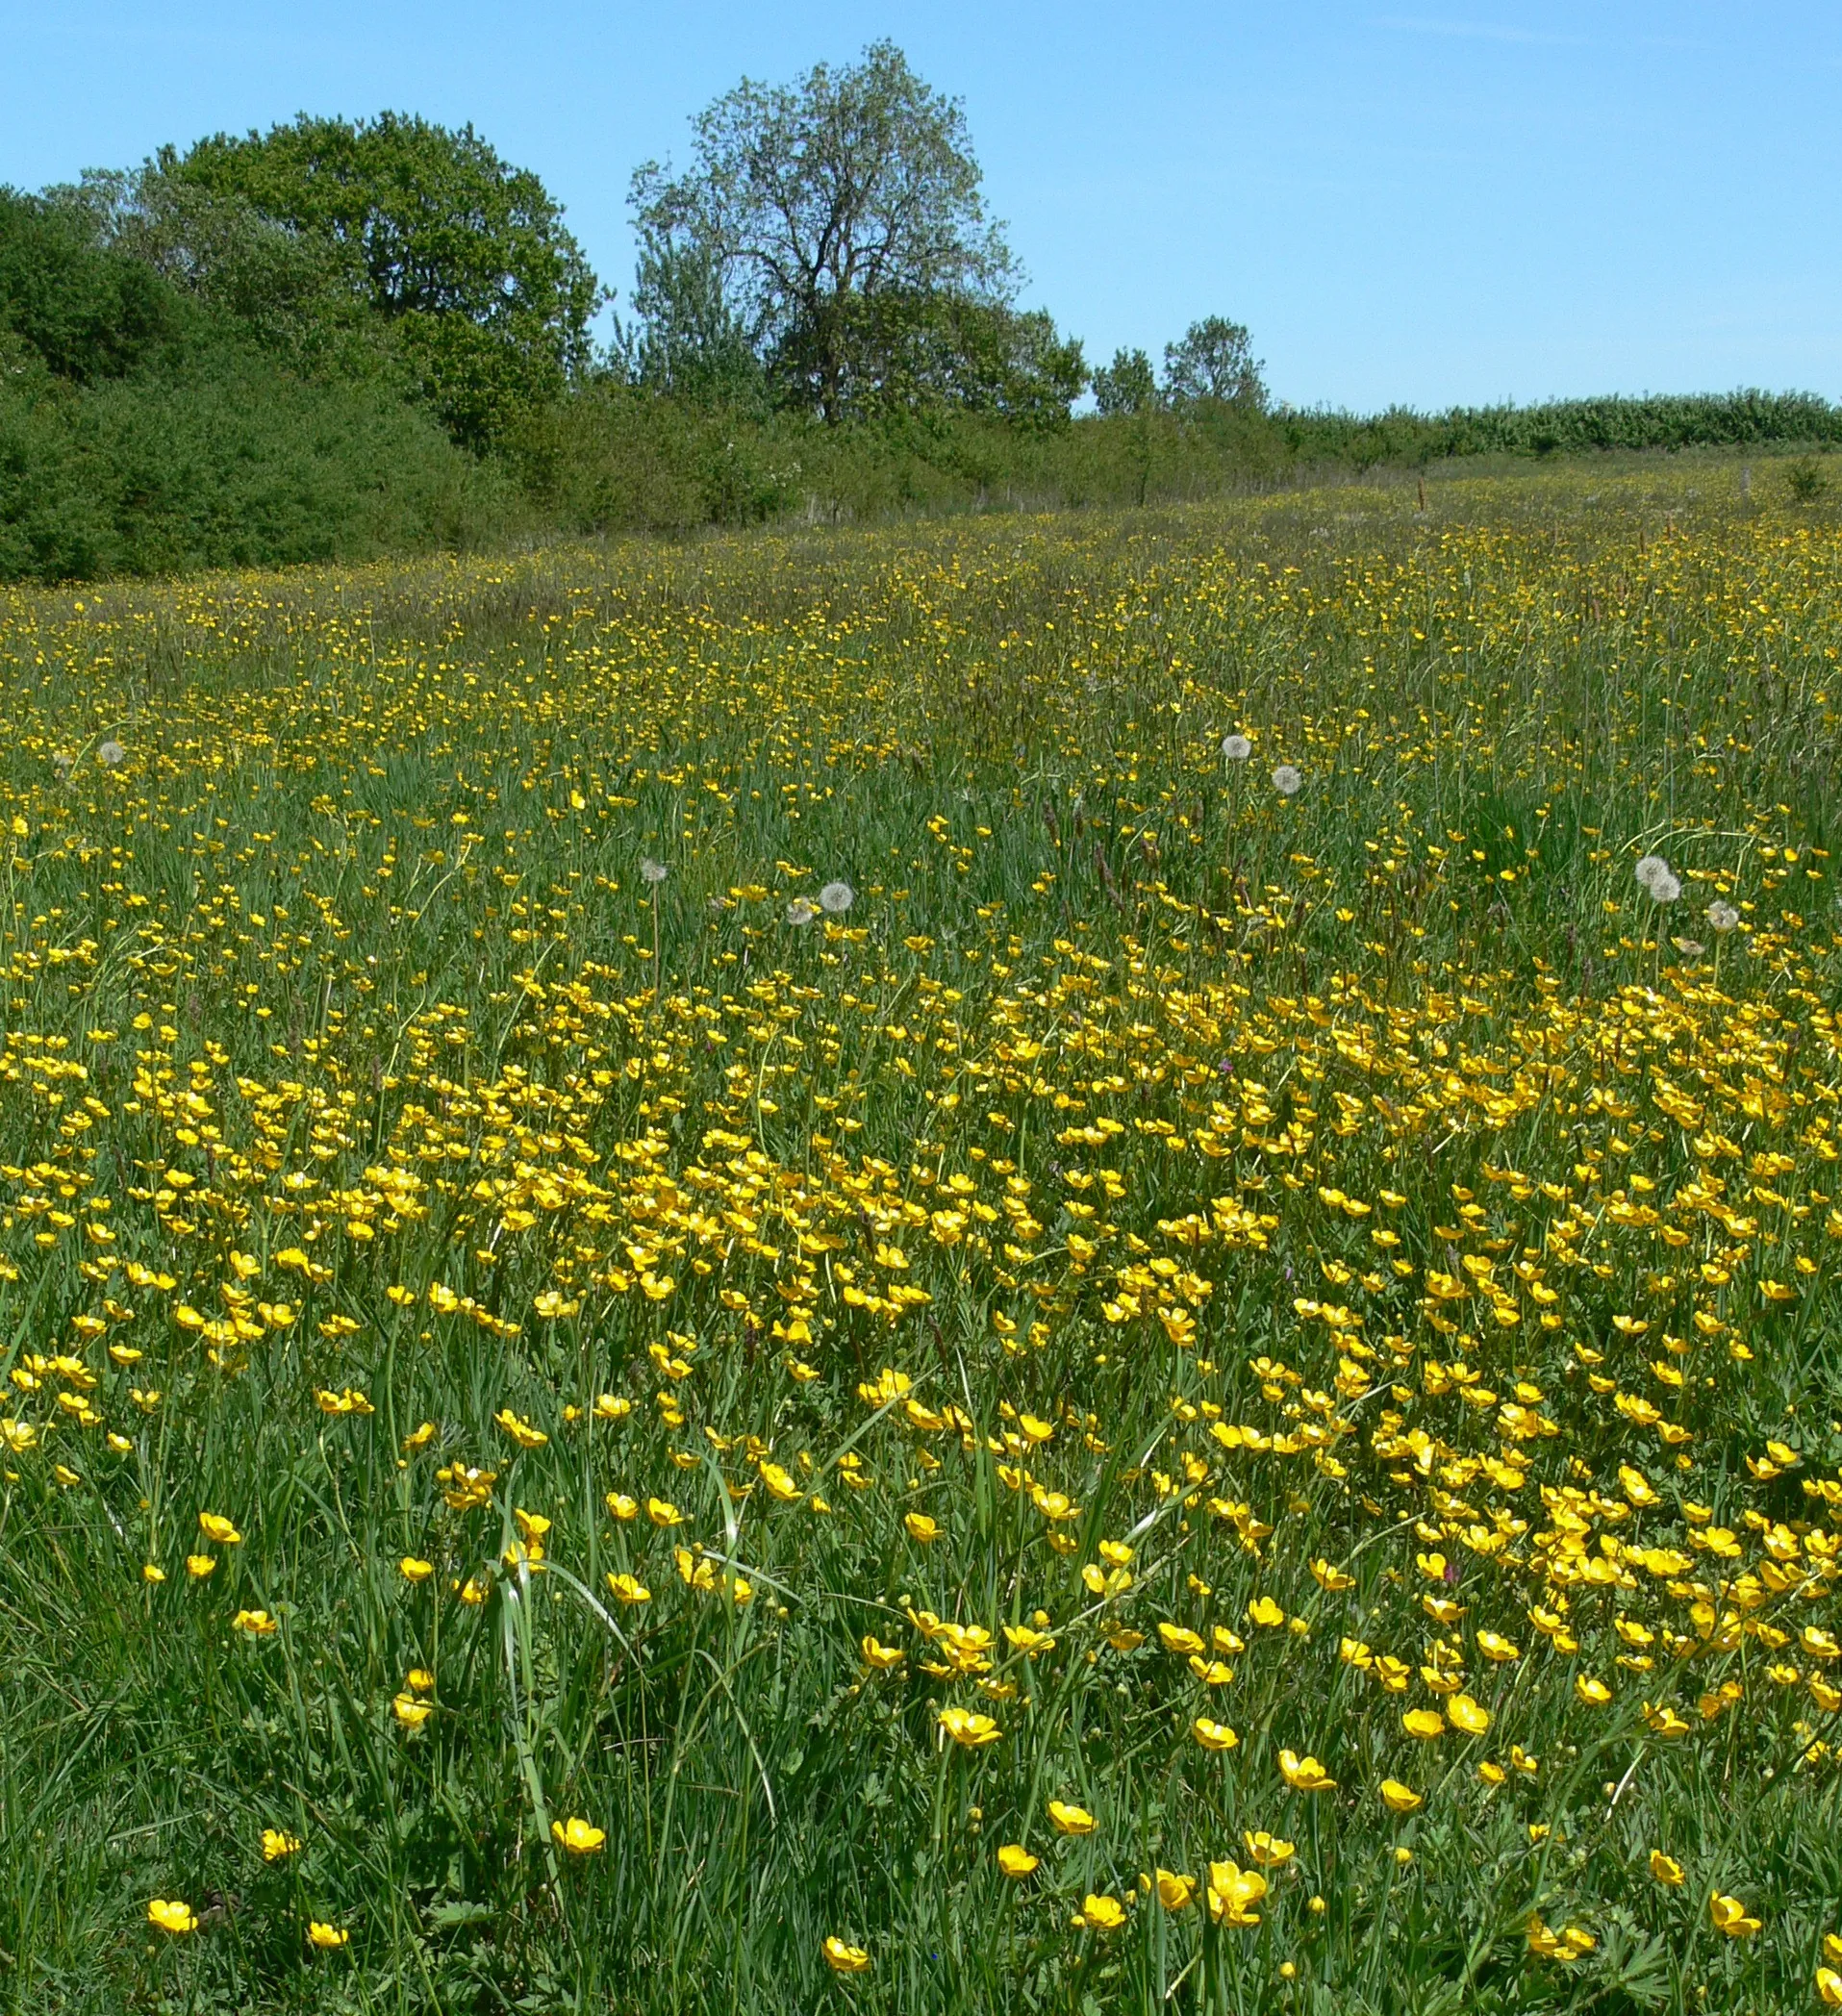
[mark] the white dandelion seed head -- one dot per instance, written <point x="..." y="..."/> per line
<point x="1649" y="869"/>
<point x="1286" y="780"/>
<point x="1723" y="918"/>
<point x="836" y="898"/>
<point x="1237" y="748"/>
<point x="112" y="753"/>
<point x="800" y="911"/>
<point x="653" y="871"/>
<point x="1664" y="888"/>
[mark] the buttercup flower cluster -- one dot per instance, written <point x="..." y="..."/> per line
<point x="1046" y="1265"/>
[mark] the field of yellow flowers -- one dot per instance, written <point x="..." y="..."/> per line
<point x="1070" y="1264"/>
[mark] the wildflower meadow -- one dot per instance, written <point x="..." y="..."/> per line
<point x="1078" y="1262"/>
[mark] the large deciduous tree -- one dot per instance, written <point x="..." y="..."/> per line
<point x="466" y="258"/>
<point x="836" y="228"/>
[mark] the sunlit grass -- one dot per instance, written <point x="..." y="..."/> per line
<point x="737" y="1277"/>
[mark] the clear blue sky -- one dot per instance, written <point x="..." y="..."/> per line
<point x="1414" y="201"/>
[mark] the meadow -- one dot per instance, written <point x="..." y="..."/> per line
<point x="1076" y="1263"/>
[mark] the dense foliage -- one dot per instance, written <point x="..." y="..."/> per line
<point x="1065" y="1264"/>
<point x="836" y="228"/>
<point x="1730" y="419"/>
<point x="161" y="412"/>
<point x="343" y="339"/>
<point x="465" y="260"/>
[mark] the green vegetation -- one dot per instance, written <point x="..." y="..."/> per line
<point x="1024" y="1266"/>
<point x="472" y="283"/>
<point x="150" y="424"/>
<point x="341" y="340"/>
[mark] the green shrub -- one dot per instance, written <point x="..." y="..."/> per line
<point x="229" y="462"/>
<point x="1804" y="481"/>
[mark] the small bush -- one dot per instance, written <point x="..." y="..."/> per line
<point x="1804" y="481"/>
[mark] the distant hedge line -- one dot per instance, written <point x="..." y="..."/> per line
<point x="227" y="459"/>
<point x="1566" y="426"/>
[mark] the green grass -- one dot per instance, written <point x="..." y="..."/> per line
<point x="1118" y="1060"/>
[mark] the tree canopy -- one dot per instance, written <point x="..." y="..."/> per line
<point x="1213" y="362"/>
<point x="387" y="323"/>
<point x="836" y="226"/>
<point x="282" y="289"/>
<point x="489" y="296"/>
<point x="1126" y="385"/>
<point x="80" y="310"/>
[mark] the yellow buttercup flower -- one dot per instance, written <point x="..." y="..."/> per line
<point x="969" y="1728"/>
<point x="778" y="1483"/>
<point x="327" y="1937"/>
<point x="1016" y="1861"/>
<point x="521" y="1430"/>
<point x="843" y="1958"/>
<point x="1069" y="1819"/>
<point x="1401" y="1798"/>
<point x="1466" y="1714"/>
<point x="278" y="1844"/>
<point x="1304" y="1773"/>
<point x="1570" y="1944"/>
<point x="1731" y="1917"/>
<point x="170" y="1915"/>
<point x="1174" y="1892"/>
<point x="577" y="1836"/>
<point x="1233" y="1892"/>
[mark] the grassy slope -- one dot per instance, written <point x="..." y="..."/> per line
<point x="355" y="941"/>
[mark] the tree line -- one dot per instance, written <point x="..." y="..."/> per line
<point x="347" y="337"/>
